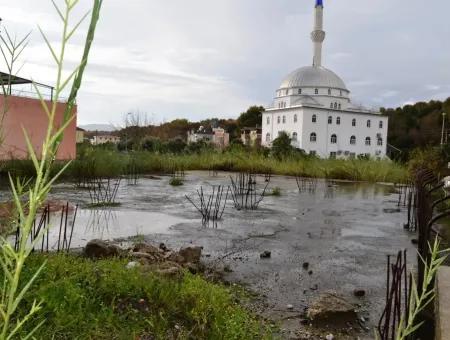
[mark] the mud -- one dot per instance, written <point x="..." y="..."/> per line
<point x="344" y="231"/>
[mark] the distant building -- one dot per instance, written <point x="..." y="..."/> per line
<point x="217" y="136"/>
<point x="21" y="110"/>
<point x="251" y="136"/>
<point x="103" y="139"/>
<point x="80" y="135"/>
<point x="312" y="105"/>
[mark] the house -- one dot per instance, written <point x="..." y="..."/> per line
<point x="80" y="135"/>
<point x="251" y="136"/>
<point x="21" y="110"/>
<point x="103" y="139"/>
<point x="216" y="136"/>
<point x="312" y="105"/>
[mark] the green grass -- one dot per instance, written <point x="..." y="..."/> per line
<point x="176" y="182"/>
<point x="105" y="163"/>
<point x="83" y="299"/>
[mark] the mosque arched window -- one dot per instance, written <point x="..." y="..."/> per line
<point x="353" y="122"/>
<point x="380" y="124"/>
<point x="295" y="118"/>
<point x="314" y="118"/>
<point x="368" y="123"/>
<point x="284" y="119"/>
<point x="268" y="120"/>
<point x="331" y="105"/>
<point x="333" y="139"/>
<point x="339" y="106"/>
<point x="329" y="92"/>
<point x="299" y="91"/>
<point x="335" y="105"/>
<point x="278" y="119"/>
<point x="313" y="137"/>
<point x="268" y="137"/>
<point x="380" y="141"/>
<point x="294" y="136"/>
<point x="368" y="141"/>
<point x="338" y="121"/>
<point x="352" y="140"/>
<point x="330" y="120"/>
<point x="316" y="91"/>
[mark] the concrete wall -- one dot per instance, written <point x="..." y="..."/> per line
<point x="443" y="304"/>
<point x="28" y="114"/>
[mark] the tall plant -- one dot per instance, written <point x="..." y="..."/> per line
<point x="28" y="199"/>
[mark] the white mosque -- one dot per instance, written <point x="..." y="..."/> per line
<point x="313" y="106"/>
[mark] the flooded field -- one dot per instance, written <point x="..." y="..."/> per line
<point x="343" y="230"/>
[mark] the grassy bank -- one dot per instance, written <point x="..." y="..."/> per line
<point x="98" y="162"/>
<point x="83" y="299"/>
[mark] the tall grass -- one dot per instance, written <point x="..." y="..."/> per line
<point x="104" y="163"/>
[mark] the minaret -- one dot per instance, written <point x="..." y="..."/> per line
<point x="318" y="34"/>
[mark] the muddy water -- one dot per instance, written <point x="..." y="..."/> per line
<point x="344" y="230"/>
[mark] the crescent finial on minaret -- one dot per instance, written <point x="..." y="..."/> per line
<point x="319" y="3"/>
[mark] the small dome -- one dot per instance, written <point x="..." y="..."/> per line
<point x="311" y="76"/>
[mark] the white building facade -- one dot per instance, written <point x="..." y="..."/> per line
<point x="313" y="106"/>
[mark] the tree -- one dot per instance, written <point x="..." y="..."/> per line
<point x="251" y="118"/>
<point x="281" y="146"/>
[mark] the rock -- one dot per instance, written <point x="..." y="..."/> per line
<point x="315" y="287"/>
<point x="359" y="292"/>
<point x="290" y="307"/>
<point x="148" y="258"/>
<point x="191" y="254"/>
<point x="227" y="269"/>
<point x="170" y="272"/>
<point x="192" y="267"/>
<point x="163" y="247"/>
<point x="97" y="249"/>
<point x="146" y="248"/>
<point x="132" y="264"/>
<point x="329" y="337"/>
<point x="305" y="265"/>
<point x="310" y="272"/>
<point x="330" y="306"/>
<point x="175" y="257"/>
<point x="265" y="254"/>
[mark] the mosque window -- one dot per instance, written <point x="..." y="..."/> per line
<point x="313" y="137"/>
<point x="284" y="119"/>
<point x="335" y="105"/>
<point x="380" y="124"/>
<point x="330" y="120"/>
<point x="368" y="140"/>
<point x="333" y="155"/>
<point x="329" y="92"/>
<point x="278" y="119"/>
<point x="338" y="120"/>
<point x="268" y="137"/>
<point x="295" y="118"/>
<point x="368" y="123"/>
<point x="331" y="105"/>
<point x="314" y="119"/>
<point x="268" y="120"/>
<point x="287" y="92"/>
<point x="352" y="140"/>
<point x="333" y="139"/>
<point x="312" y="153"/>
<point x="340" y="93"/>
<point x="294" y="137"/>
<point x="339" y="106"/>
<point x="353" y="122"/>
<point x="299" y="91"/>
<point x="380" y="141"/>
<point x="316" y="91"/>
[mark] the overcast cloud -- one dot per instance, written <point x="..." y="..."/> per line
<point x="214" y="58"/>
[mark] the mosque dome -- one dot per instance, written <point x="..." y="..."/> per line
<point x="313" y="77"/>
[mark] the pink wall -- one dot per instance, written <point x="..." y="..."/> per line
<point x="27" y="113"/>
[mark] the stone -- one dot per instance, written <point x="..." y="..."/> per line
<point x="163" y="247"/>
<point x="170" y="272"/>
<point x="192" y="267"/>
<point x="265" y="254"/>
<point x="132" y="264"/>
<point x="175" y="257"/>
<point x="329" y="337"/>
<point x="305" y="265"/>
<point x="97" y="249"/>
<point x="310" y="272"/>
<point x="191" y="254"/>
<point x="146" y="248"/>
<point x="359" y="292"/>
<point x="290" y="307"/>
<point x="148" y="258"/>
<point x="227" y="269"/>
<point x="330" y="306"/>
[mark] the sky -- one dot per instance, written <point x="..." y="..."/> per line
<point x="200" y="59"/>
